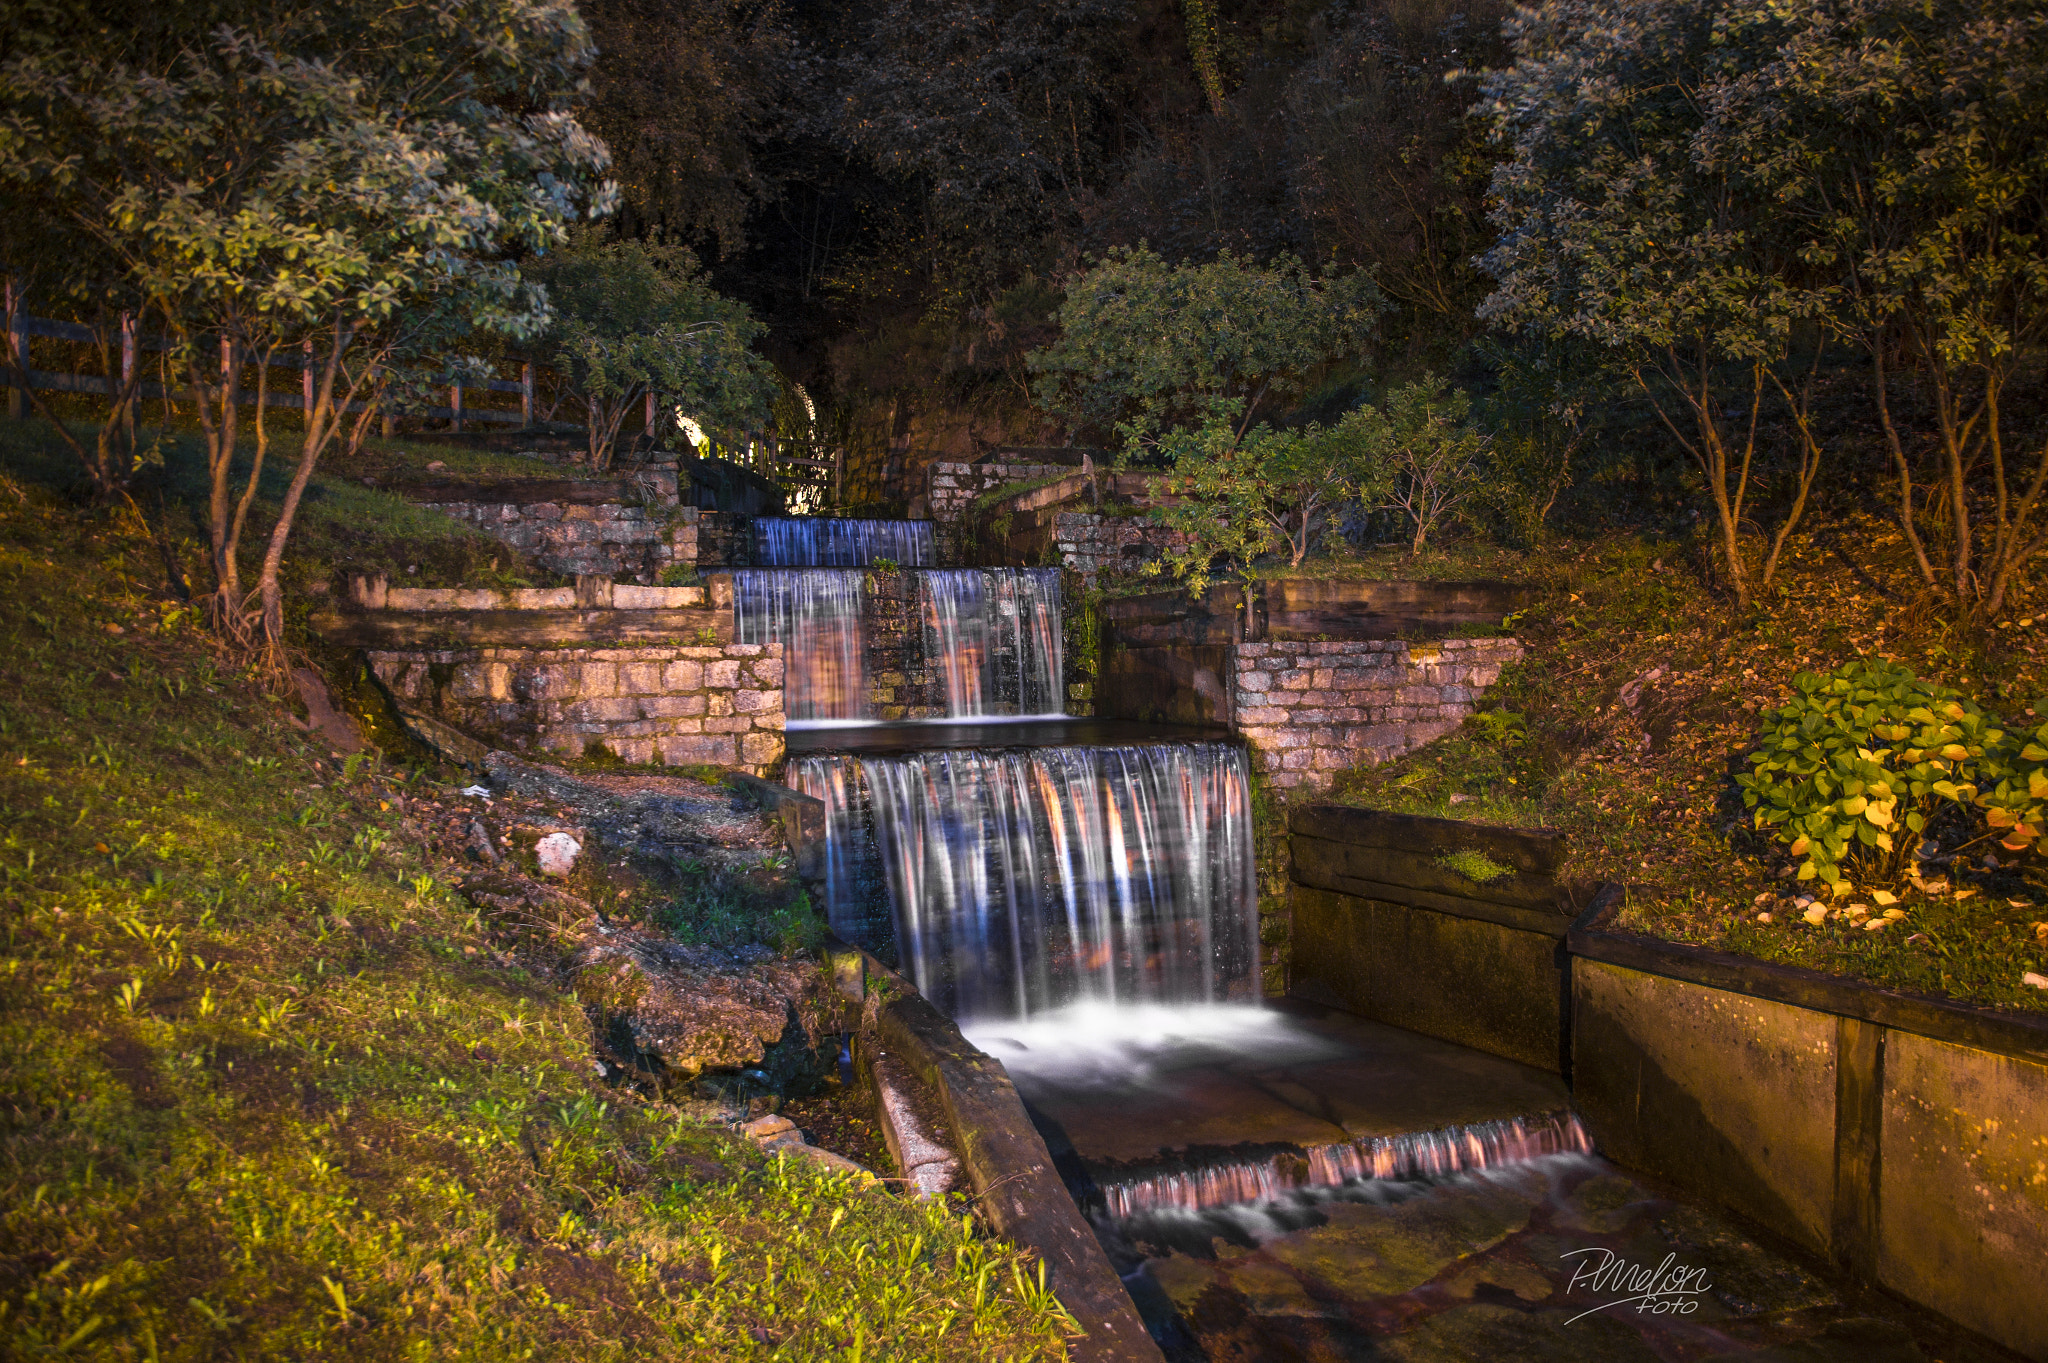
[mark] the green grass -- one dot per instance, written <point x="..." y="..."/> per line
<point x="273" y="1092"/>
<point x="1476" y="867"/>
<point x="342" y="526"/>
<point x="1644" y="791"/>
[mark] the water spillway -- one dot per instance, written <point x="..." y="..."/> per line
<point x="860" y="645"/>
<point x="841" y="542"/>
<point x="1028" y="879"/>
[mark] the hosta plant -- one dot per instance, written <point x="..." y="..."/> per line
<point x="2016" y="805"/>
<point x="1850" y="773"/>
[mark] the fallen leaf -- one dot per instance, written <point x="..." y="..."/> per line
<point x="2038" y="981"/>
<point x="1884" y="897"/>
<point x="1874" y="924"/>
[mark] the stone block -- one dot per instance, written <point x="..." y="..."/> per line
<point x="727" y="724"/>
<point x="1269" y="714"/>
<point x="750" y="702"/>
<point x="767" y="672"/>
<point x="641" y="679"/>
<point x="1295" y="681"/>
<point x="680" y="750"/>
<point x="1296" y="759"/>
<point x="1254" y="681"/>
<point x="746" y="650"/>
<point x="761" y="749"/>
<point x="723" y="675"/>
<point x="682" y="676"/>
<point x="719" y="703"/>
<point x="602" y="709"/>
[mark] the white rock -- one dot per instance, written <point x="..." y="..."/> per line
<point x="2038" y="981"/>
<point x="558" y="853"/>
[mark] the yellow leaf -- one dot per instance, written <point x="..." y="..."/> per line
<point x="1799" y="847"/>
<point x="1854" y="805"/>
<point x="1879" y="816"/>
<point x="2000" y="818"/>
<point x="2034" y="752"/>
<point x="1954" y="752"/>
<point x="1884" y="897"/>
<point x="1884" y="840"/>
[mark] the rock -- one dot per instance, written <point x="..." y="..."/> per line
<point x="557" y="852"/>
<point x="832" y="1162"/>
<point x="480" y="840"/>
<point x="436" y="466"/>
<point x="761" y="1128"/>
<point x="677" y="1012"/>
<point x="334" y="726"/>
<point x="2034" y="980"/>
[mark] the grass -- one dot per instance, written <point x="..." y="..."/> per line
<point x="1638" y="698"/>
<point x="272" y="1093"/>
<point x="343" y="525"/>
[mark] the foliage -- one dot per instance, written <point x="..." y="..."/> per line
<point x="1145" y="346"/>
<point x="637" y="317"/>
<point x="1430" y="452"/>
<point x="689" y="95"/>
<point x="1904" y="149"/>
<point x="1616" y="229"/>
<point x="1861" y="755"/>
<point x="342" y="184"/>
<point x="2016" y="805"/>
<point x="1236" y="499"/>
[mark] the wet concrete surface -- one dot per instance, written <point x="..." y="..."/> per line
<point x="1563" y="1258"/>
<point x="1303" y="1076"/>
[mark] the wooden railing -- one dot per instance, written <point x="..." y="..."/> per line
<point x="20" y="327"/>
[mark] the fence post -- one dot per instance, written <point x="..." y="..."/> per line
<point x="526" y="397"/>
<point x="455" y="406"/>
<point x="17" y="396"/>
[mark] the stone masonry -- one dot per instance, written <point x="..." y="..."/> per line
<point x="712" y="703"/>
<point x="1093" y="544"/>
<point x="1309" y="710"/>
<point x="615" y="539"/>
<point x="952" y="487"/>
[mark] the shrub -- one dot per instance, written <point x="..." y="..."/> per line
<point x="2017" y="803"/>
<point x="1858" y="765"/>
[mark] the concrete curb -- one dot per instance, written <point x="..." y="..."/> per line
<point x="1005" y="1159"/>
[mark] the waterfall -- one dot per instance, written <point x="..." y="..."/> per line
<point x="1413" y="1155"/>
<point x="968" y="643"/>
<point x="996" y="639"/>
<point x="834" y="542"/>
<point x="815" y="614"/>
<point x="1025" y="879"/>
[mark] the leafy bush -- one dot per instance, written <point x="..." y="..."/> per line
<point x="2017" y="802"/>
<point x="1856" y="767"/>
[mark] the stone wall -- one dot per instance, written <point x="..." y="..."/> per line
<point x="718" y="703"/>
<point x="1093" y="544"/>
<point x="1309" y="710"/>
<point x="631" y="528"/>
<point x="950" y="487"/>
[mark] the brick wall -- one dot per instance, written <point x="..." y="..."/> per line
<point x="718" y="703"/>
<point x="1311" y="709"/>
<point x="1093" y="544"/>
<point x="950" y="487"/>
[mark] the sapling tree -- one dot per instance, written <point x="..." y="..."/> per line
<point x="634" y="318"/>
<point x="1428" y="453"/>
<point x="334" y="188"/>
<point x="1235" y="499"/>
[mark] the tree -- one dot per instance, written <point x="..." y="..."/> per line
<point x="1616" y="228"/>
<point x="1146" y="346"/>
<point x="1430" y="452"/>
<point x="1239" y="498"/>
<point x="1905" y="145"/>
<point x="338" y="186"/>
<point x="688" y="95"/>
<point x="633" y="318"/>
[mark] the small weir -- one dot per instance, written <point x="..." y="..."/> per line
<point x="1413" y="1155"/>
<point x="831" y="542"/>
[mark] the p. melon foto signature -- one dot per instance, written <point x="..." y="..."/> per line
<point x="1669" y="1289"/>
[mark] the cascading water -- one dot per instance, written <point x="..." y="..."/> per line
<point x="996" y="637"/>
<point x="815" y="614"/>
<point x="834" y="542"/>
<point x="1023" y="880"/>
<point x="1414" y="1155"/>
<point x="989" y="638"/>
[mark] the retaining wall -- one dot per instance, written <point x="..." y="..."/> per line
<point x="649" y="673"/>
<point x="1903" y="1137"/>
<point x="632" y="527"/>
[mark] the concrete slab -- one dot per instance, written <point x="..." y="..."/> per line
<point x="1307" y="1076"/>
